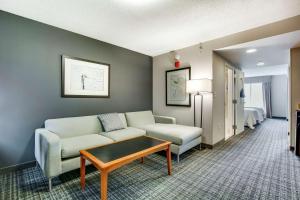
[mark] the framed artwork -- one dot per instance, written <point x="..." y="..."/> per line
<point x="84" y="78"/>
<point x="176" y="94"/>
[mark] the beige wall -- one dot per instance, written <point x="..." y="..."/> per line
<point x="201" y="64"/>
<point x="295" y="90"/>
<point x="201" y="67"/>
<point x="218" y="109"/>
<point x="218" y="126"/>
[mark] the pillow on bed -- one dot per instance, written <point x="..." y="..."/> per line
<point x="111" y="121"/>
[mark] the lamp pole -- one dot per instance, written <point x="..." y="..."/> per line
<point x="195" y="109"/>
<point x="199" y="87"/>
<point x="201" y="118"/>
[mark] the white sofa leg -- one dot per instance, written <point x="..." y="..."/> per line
<point x="50" y="184"/>
<point x="177" y="158"/>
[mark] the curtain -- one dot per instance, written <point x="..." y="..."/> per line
<point x="267" y="98"/>
<point x="254" y="95"/>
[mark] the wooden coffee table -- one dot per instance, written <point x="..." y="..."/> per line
<point x="112" y="156"/>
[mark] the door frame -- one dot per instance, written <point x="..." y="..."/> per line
<point x="233" y="81"/>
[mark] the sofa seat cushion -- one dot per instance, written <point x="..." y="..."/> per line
<point x="71" y="146"/>
<point x="177" y="134"/>
<point x="124" y="134"/>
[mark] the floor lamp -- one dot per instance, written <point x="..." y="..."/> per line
<point x="198" y="87"/>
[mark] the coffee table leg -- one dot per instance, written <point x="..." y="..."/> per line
<point x="104" y="177"/>
<point x="82" y="172"/>
<point x="168" y="151"/>
<point x="142" y="160"/>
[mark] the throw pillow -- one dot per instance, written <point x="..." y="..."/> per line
<point x="111" y="121"/>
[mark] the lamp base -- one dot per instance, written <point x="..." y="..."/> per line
<point x="201" y="119"/>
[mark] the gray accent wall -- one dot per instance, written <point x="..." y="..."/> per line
<point x="30" y="81"/>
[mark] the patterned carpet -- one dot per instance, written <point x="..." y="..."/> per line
<point x="253" y="165"/>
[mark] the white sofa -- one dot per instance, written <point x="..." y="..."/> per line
<point x="57" y="145"/>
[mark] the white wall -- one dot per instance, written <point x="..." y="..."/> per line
<point x="266" y="71"/>
<point x="201" y="67"/>
<point x="218" y="127"/>
<point x="279" y="96"/>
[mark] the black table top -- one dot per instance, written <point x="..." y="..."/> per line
<point x="124" y="148"/>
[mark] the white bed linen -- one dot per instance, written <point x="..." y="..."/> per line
<point x="253" y="115"/>
<point x="261" y="116"/>
<point x="250" y="119"/>
<point x="261" y="112"/>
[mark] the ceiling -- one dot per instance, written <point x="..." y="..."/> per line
<point x="266" y="71"/>
<point x="153" y="27"/>
<point x="272" y="51"/>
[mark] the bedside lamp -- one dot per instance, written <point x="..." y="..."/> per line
<point x="198" y="87"/>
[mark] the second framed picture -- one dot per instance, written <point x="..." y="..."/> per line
<point x="176" y="94"/>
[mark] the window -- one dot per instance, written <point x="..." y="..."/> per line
<point x="254" y="95"/>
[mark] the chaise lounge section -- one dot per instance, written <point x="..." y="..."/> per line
<point x="182" y="137"/>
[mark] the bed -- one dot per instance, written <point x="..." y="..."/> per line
<point x="253" y="116"/>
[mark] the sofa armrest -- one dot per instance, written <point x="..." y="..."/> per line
<point x="164" y="119"/>
<point x="48" y="152"/>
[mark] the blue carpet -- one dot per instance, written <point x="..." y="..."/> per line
<point x="253" y="165"/>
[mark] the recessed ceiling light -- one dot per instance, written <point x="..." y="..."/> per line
<point x="251" y="50"/>
<point x="260" y="64"/>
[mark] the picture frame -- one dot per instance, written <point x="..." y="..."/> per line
<point x="82" y="78"/>
<point x="176" y="94"/>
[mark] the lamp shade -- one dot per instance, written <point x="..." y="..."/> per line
<point x="199" y="86"/>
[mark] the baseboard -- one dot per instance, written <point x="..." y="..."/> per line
<point x="219" y="143"/>
<point x="275" y="117"/>
<point x="18" y="167"/>
<point x="209" y="146"/>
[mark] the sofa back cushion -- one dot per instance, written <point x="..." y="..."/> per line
<point x="74" y="126"/>
<point x="140" y="119"/>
